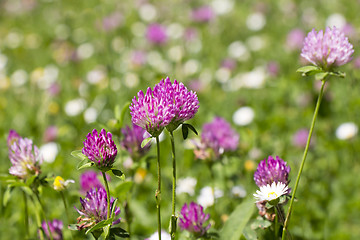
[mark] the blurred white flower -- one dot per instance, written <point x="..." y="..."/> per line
<point x="85" y="50"/>
<point x="49" y="151"/>
<point x="19" y="78"/>
<point x="13" y="40"/>
<point x="175" y="30"/>
<point x="176" y="53"/>
<point x="90" y="115"/>
<point x="131" y="80"/>
<point x="243" y="116"/>
<point x="75" y="107"/>
<point x="186" y="185"/>
<point x="147" y="12"/>
<point x="3" y="61"/>
<point x="253" y="79"/>
<point x="222" y="6"/>
<point x="206" y="197"/>
<point x="336" y="20"/>
<point x="96" y="75"/>
<point x="238" y="51"/>
<point x="238" y="191"/>
<point x="191" y="66"/>
<point x="222" y="75"/>
<point x="255" y="21"/>
<point x="164" y="236"/>
<point x="346" y="131"/>
<point x="255" y="43"/>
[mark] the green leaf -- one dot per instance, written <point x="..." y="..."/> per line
<point x="117" y="112"/>
<point x="234" y="226"/>
<point x="73" y="227"/>
<point x="84" y="164"/>
<point x="7" y="195"/>
<point x="338" y="74"/>
<point x="118" y="174"/>
<point x="185" y="131"/>
<point x="106" y="230"/>
<point x="123" y="188"/>
<point x="6" y="177"/>
<point x="249" y="234"/>
<point x="122" y="114"/>
<point x="113" y="208"/>
<point x="145" y="141"/>
<point x="99" y="225"/>
<point x="309" y="70"/>
<point x="120" y="232"/>
<point x="79" y="155"/>
<point x="260" y="223"/>
<point x="321" y="75"/>
<point x="212" y="235"/>
<point x="192" y="128"/>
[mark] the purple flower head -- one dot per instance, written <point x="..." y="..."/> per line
<point x="300" y="138"/>
<point x="89" y="180"/>
<point x="100" y="148"/>
<point x="327" y="50"/>
<point x="24" y="156"/>
<point x="193" y="218"/>
<point x="156" y="34"/>
<point x="152" y="111"/>
<point x="203" y="14"/>
<point x="94" y="209"/>
<point x="132" y="140"/>
<point x="12" y="137"/>
<point x="295" y="39"/>
<point x="50" y="134"/>
<point x="168" y="103"/>
<point x="219" y="136"/>
<point x="55" y="226"/>
<point x="185" y="103"/>
<point x="272" y="170"/>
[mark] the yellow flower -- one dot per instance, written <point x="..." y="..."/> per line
<point x="60" y="184"/>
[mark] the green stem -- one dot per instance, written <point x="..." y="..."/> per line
<point x="26" y="216"/>
<point x="38" y="220"/>
<point x="158" y="190"/>
<point x="276" y="223"/>
<point x="44" y="215"/>
<point x="173" y="218"/>
<point x="66" y="209"/>
<point x="304" y="157"/>
<point x="108" y="194"/>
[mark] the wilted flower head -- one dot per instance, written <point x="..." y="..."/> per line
<point x="327" y="50"/>
<point x="167" y="104"/>
<point x="24" y="156"/>
<point x="60" y="184"/>
<point x="100" y="148"/>
<point x="271" y="170"/>
<point x="94" y="209"/>
<point x="89" y="180"/>
<point x="219" y="136"/>
<point x="156" y="34"/>
<point x="132" y="140"/>
<point x="55" y="227"/>
<point x="193" y="219"/>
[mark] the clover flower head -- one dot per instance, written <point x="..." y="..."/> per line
<point x="100" y="149"/>
<point x="156" y="34"/>
<point x="133" y="137"/>
<point x="219" y="136"/>
<point x="327" y="49"/>
<point x="272" y="170"/>
<point x="94" y="209"/>
<point x="55" y="227"/>
<point x="193" y="219"/>
<point x="24" y="156"/>
<point x="89" y="180"/>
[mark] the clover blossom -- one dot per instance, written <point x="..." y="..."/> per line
<point x="327" y="50"/>
<point x="193" y="219"/>
<point x="89" y="180"/>
<point x="94" y="209"/>
<point x="100" y="149"/>
<point x="55" y="226"/>
<point x="24" y="156"/>
<point x="156" y="34"/>
<point x="132" y="140"/>
<point x="219" y="137"/>
<point x="272" y="170"/>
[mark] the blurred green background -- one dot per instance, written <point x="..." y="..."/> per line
<point x="67" y="64"/>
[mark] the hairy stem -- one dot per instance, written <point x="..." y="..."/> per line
<point x="304" y="157"/>
<point x="158" y="190"/>
<point x="108" y="194"/>
<point x="26" y="211"/>
<point x="44" y="215"/>
<point x="173" y="218"/>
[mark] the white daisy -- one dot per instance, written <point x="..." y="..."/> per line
<point x="271" y="192"/>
